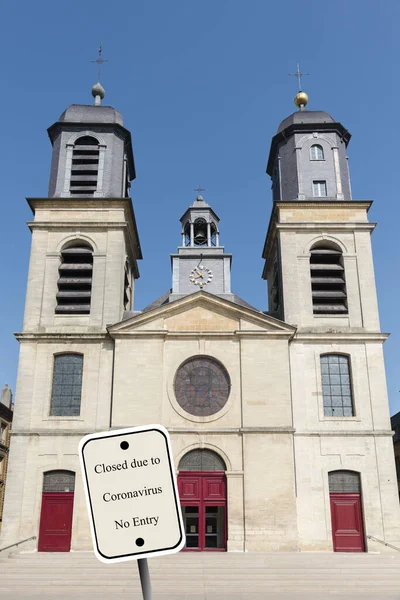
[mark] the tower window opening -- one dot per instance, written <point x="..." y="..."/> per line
<point x="85" y="166"/>
<point x="319" y="189"/>
<point x="187" y="234"/>
<point x="200" y="232"/>
<point x="75" y="280"/>
<point x="328" y="282"/>
<point x="317" y="152"/>
<point x="213" y="235"/>
<point x="127" y="287"/>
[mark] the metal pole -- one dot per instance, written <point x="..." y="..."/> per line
<point x="145" y="578"/>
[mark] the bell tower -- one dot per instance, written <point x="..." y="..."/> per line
<point x="85" y="244"/>
<point x="201" y="263"/>
<point x="318" y="250"/>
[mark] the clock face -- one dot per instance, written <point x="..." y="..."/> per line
<point x="200" y="276"/>
<point x="202" y="386"/>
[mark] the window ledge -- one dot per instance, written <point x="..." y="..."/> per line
<point x="332" y="316"/>
<point x="341" y="418"/>
<point x="62" y="418"/>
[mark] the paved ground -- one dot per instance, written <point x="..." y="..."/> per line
<point x="205" y="576"/>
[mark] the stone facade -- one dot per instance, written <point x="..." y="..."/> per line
<point x="6" y="417"/>
<point x="272" y="434"/>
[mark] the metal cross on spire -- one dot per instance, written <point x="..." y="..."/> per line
<point x="99" y="60"/>
<point x="299" y="75"/>
<point x="199" y="189"/>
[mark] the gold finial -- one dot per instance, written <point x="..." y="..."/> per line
<point x="301" y="100"/>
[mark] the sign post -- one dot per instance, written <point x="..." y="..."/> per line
<point x="132" y="496"/>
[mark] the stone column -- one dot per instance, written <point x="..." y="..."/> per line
<point x="209" y="234"/>
<point x="339" y="190"/>
<point x="191" y="235"/>
<point x="235" y="539"/>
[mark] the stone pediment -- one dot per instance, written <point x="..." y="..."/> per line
<point x="201" y="313"/>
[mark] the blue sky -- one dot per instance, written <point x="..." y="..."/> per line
<point x="202" y="86"/>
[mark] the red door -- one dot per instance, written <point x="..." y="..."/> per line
<point x="347" y="522"/>
<point x="56" y="522"/>
<point x="203" y="500"/>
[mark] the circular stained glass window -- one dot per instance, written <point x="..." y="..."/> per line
<point x="202" y="386"/>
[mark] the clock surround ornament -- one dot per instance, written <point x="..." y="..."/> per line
<point x="200" y="276"/>
<point x="202" y="386"/>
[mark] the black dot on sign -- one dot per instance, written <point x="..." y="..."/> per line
<point x="140" y="542"/>
<point x="124" y="445"/>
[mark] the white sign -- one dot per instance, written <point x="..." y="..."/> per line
<point x="131" y="493"/>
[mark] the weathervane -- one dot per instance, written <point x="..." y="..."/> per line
<point x="299" y="75"/>
<point x="99" y="60"/>
<point x="199" y="189"/>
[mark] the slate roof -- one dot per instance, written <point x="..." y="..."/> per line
<point x="304" y="117"/>
<point x="86" y="113"/>
<point x="164" y="299"/>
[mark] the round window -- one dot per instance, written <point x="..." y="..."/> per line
<point x="202" y="386"/>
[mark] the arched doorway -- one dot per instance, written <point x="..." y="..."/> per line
<point x="202" y="490"/>
<point x="56" y="514"/>
<point x="346" y="511"/>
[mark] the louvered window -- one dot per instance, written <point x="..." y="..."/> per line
<point x="202" y="460"/>
<point x="75" y="280"/>
<point x="336" y="385"/>
<point x="344" y="481"/>
<point x="59" y="481"/>
<point x="328" y="283"/>
<point x="317" y="152"/>
<point x="127" y="287"/>
<point x="67" y="385"/>
<point x="85" y="166"/>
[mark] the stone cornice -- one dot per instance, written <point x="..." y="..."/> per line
<point x="51" y="432"/>
<point x="332" y="225"/>
<point x="60" y="337"/>
<point x="76" y="225"/>
<point x="163" y="333"/>
<point x="340" y="336"/>
<point x="346" y="433"/>
<point x="366" y="204"/>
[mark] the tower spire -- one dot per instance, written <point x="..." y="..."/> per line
<point x="98" y="91"/>
<point x="301" y="98"/>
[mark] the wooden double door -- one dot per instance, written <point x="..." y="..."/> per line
<point x="203" y="501"/>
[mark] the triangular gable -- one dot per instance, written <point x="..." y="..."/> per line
<point x="202" y="311"/>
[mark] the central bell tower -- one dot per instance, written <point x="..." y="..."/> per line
<point x="201" y="263"/>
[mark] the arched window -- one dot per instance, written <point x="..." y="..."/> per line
<point x="200" y="232"/>
<point x="344" y="481"/>
<point x="201" y="460"/>
<point x="59" y="481"/>
<point x="67" y="385"/>
<point x="328" y="283"/>
<point x="75" y="279"/>
<point x="316" y="152"/>
<point x="85" y="166"/>
<point x="336" y="385"/>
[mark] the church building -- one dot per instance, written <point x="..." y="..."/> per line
<point x="279" y="420"/>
